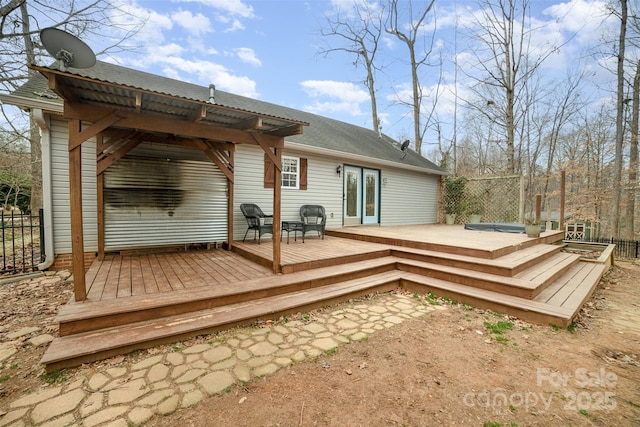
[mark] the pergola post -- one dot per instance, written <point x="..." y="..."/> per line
<point x="230" y="202"/>
<point x="277" y="202"/>
<point x="75" y="202"/>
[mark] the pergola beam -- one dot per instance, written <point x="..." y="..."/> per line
<point x="214" y="157"/>
<point x="277" y="162"/>
<point x="104" y="163"/>
<point x="251" y="123"/>
<point x="170" y="126"/>
<point x="94" y="129"/>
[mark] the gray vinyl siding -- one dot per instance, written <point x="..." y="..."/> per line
<point x="60" y="190"/>
<point x="408" y="197"/>
<point x="324" y="188"/>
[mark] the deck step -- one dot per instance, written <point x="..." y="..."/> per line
<point x="527" y="285"/>
<point x="558" y="304"/>
<point x="569" y="290"/>
<point x="89" y="346"/>
<point x="550" y="237"/>
<point x="93" y="315"/>
<point x="508" y="265"/>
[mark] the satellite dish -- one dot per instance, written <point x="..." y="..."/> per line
<point x="404" y="147"/>
<point x="69" y="50"/>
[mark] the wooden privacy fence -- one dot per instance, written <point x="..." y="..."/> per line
<point x="22" y="242"/>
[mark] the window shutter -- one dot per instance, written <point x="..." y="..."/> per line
<point x="303" y="174"/>
<point x="268" y="172"/>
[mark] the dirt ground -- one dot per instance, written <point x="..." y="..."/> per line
<point x="459" y="366"/>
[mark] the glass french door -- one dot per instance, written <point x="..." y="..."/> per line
<point x="371" y="196"/>
<point x="361" y="196"/>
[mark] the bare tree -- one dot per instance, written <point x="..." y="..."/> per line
<point x="633" y="159"/>
<point x="20" y="22"/>
<point x="585" y="154"/>
<point x="620" y="107"/>
<point x="359" y="33"/>
<point x="505" y="62"/>
<point x="417" y="57"/>
<point x="566" y="102"/>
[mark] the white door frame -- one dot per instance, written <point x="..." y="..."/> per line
<point x="371" y="196"/>
<point x="359" y="205"/>
<point x="352" y="202"/>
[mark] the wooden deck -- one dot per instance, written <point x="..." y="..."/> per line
<point x="452" y="239"/>
<point x="136" y="301"/>
<point x="120" y="276"/>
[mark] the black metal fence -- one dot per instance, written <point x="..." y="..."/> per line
<point x="624" y="248"/>
<point x="22" y="242"/>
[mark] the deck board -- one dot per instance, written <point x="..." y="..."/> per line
<point x="159" y="275"/>
<point x="113" y="278"/>
<point x="137" y="281"/>
<point x="124" y="282"/>
<point x="97" y="284"/>
<point x="148" y="277"/>
<point x="572" y="285"/>
<point x="173" y="279"/>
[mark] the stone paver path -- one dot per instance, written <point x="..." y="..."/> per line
<point x="147" y="384"/>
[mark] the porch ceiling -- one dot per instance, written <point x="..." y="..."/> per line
<point x="77" y="88"/>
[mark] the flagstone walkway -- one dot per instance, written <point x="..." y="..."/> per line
<point x="130" y="390"/>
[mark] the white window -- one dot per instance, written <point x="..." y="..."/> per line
<point x="290" y="172"/>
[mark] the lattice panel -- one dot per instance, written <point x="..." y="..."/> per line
<point x="496" y="199"/>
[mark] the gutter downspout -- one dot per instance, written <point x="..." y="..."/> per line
<point x="47" y="202"/>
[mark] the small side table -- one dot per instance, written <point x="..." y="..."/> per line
<point x="290" y="226"/>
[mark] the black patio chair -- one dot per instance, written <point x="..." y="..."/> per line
<point x="256" y="221"/>
<point x="313" y="218"/>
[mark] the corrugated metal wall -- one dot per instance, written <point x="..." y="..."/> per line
<point x="198" y="203"/>
<point x="163" y="201"/>
<point x="60" y="190"/>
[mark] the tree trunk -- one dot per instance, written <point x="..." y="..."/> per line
<point x="34" y="130"/>
<point x="417" y="99"/>
<point x="36" y="166"/>
<point x="372" y="94"/>
<point x="633" y="160"/>
<point x="617" y="164"/>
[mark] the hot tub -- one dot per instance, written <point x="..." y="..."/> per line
<point x="503" y="227"/>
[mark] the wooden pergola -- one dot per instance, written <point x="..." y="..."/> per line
<point x="121" y="116"/>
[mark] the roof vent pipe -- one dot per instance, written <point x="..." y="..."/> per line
<point x="212" y="94"/>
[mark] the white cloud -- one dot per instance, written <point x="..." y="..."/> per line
<point x="344" y="97"/>
<point x="248" y="56"/>
<point x="585" y="18"/>
<point x="341" y="90"/>
<point x="196" y="25"/>
<point x="207" y="72"/>
<point x="228" y="12"/>
<point x="351" y="8"/>
<point x="235" y="26"/>
<point x="439" y="98"/>
<point x="232" y="7"/>
<point x="153" y="29"/>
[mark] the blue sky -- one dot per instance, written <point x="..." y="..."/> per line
<point x="268" y="49"/>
